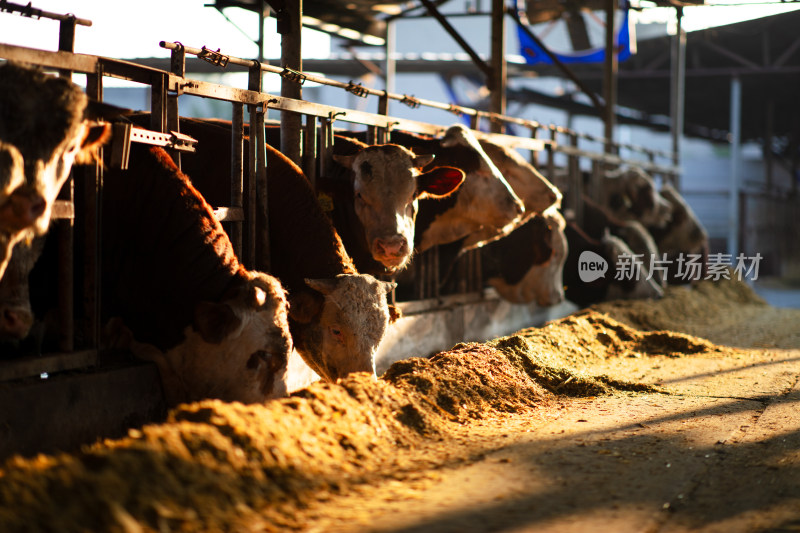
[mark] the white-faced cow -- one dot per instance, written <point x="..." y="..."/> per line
<point x="44" y="129"/>
<point x="170" y="275"/>
<point x="374" y="206"/>
<point x="536" y="193"/>
<point x="484" y="203"/>
<point x="337" y="316"/>
<point x="526" y="265"/>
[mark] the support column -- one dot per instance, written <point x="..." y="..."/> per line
<point x="677" y="86"/>
<point x="497" y="83"/>
<point x="290" y="27"/>
<point x="390" y="70"/>
<point x="735" y="178"/>
<point x="610" y="68"/>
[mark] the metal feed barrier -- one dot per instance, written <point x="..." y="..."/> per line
<point x="78" y="210"/>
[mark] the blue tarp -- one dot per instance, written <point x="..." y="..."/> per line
<point x="534" y="54"/>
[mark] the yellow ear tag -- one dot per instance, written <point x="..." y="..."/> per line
<point x="325" y="202"/>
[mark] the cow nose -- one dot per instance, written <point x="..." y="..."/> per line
<point x="25" y="208"/>
<point x="15" y="323"/>
<point x="393" y="246"/>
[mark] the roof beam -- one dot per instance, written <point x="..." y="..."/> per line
<point x="480" y="63"/>
<point x="727" y="53"/>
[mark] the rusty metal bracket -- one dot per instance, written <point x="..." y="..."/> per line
<point x="293" y="75"/>
<point x="456" y="110"/>
<point x="215" y="57"/>
<point x="357" y="90"/>
<point x="410" y="101"/>
<point x="332" y="116"/>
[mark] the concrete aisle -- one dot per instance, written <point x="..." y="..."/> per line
<point x="719" y="453"/>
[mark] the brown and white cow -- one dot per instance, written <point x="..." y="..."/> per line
<point x="535" y="191"/>
<point x="684" y="234"/>
<point x="44" y="119"/>
<point x="375" y="207"/>
<point x="630" y="194"/>
<point x="526" y="265"/>
<point x="338" y="316"/>
<point x="611" y="250"/>
<point x="171" y="277"/>
<point x="484" y="203"/>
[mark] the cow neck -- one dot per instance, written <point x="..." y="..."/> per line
<point x="515" y="254"/>
<point x="163" y="250"/>
<point x="336" y="195"/>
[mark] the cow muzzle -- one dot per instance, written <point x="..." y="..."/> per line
<point x="391" y="252"/>
<point x="21" y="210"/>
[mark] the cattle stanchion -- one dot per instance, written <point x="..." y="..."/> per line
<point x="310" y="150"/>
<point x="237" y="173"/>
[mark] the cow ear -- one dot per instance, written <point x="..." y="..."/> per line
<point x="344" y="160"/>
<point x="304" y="306"/>
<point x="439" y="182"/>
<point x="215" y="321"/>
<point x="325" y="286"/>
<point x="423" y="160"/>
<point x="394" y="314"/>
<point x="96" y="136"/>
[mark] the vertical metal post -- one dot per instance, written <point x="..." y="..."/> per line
<point x="677" y="90"/>
<point x="733" y="198"/>
<point x="575" y="182"/>
<point x="158" y="103"/>
<point x="237" y="173"/>
<point x="767" y="148"/>
<point x="497" y="84"/>
<point x="610" y="68"/>
<point x="89" y="206"/>
<point x="251" y="227"/>
<point x="310" y="152"/>
<point x="325" y="145"/>
<point x="289" y="26"/>
<point x="177" y="67"/>
<point x="66" y="227"/>
<point x="383" y="109"/>
<point x="551" y="159"/>
<point x="390" y="69"/>
<point x="262" y="197"/>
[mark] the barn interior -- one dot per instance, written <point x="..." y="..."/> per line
<point x="487" y="415"/>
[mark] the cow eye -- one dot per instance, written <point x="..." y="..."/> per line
<point x="336" y="333"/>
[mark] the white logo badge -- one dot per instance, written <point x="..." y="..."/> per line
<point x="591" y="266"/>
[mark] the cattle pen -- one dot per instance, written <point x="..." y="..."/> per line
<point x="486" y="414"/>
<point x="432" y="321"/>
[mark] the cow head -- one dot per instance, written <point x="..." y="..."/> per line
<point x="631" y="194"/>
<point x="342" y="323"/>
<point x="235" y="350"/>
<point x="485" y="202"/>
<point x="528" y="183"/>
<point x="44" y="118"/>
<point x="387" y="184"/>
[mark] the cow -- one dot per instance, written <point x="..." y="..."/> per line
<point x="46" y="126"/>
<point x="374" y="199"/>
<point x="484" y="203"/>
<point x="683" y="234"/>
<point x="174" y="292"/>
<point x="597" y="220"/>
<point x="526" y="265"/>
<point x="337" y="315"/>
<point x="630" y="194"/>
<point x="611" y="250"/>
